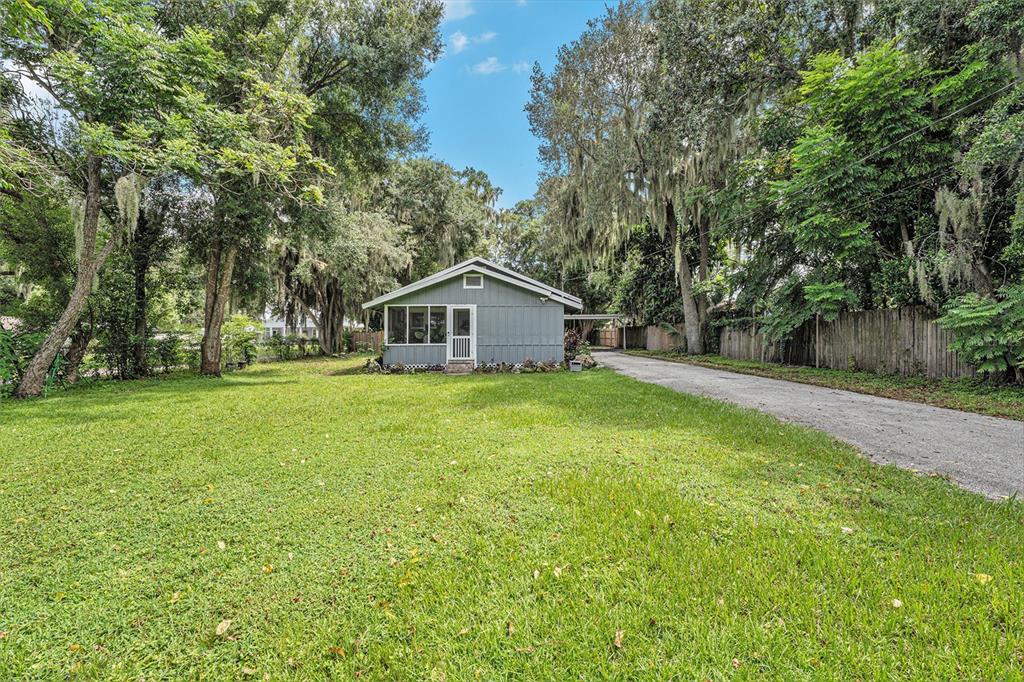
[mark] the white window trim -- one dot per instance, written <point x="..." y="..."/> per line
<point x="428" y="306"/>
<point x="472" y="274"/>
<point x="472" y="330"/>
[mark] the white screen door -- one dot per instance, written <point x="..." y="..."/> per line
<point x="462" y="333"/>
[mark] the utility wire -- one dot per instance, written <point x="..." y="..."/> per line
<point x="878" y="151"/>
<point x="863" y="159"/>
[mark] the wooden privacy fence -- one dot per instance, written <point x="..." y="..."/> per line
<point x="608" y="336"/>
<point x="636" y="337"/>
<point x="650" y="337"/>
<point x="660" y="338"/>
<point x="372" y="340"/>
<point x="903" y="341"/>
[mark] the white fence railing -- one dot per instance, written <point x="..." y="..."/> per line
<point x="461" y="348"/>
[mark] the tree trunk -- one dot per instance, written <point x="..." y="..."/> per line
<point x="89" y="263"/>
<point x="76" y="351"/>
<point x="693" y="322"/>
<point x="331" y="322"/>
<point x="219" y="267"/>
<point x="142" y="246"/>
<point x="586" y="327"/>
<point x="817" y="340"/>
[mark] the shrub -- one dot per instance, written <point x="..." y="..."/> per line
<point x="572" y="341"/>
<point x="16" y="351"/>
<point x="191" y="350"/>
<point x="10" y="363"/>
<point x="239" y="336"/>
<point x="167" y="351"/>
<point x="989" y="331"/>
<point x="290" y="344"/>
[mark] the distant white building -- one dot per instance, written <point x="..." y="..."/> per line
<point x="277" y="326"/>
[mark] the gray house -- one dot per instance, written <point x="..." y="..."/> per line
<point x="474" y="313"/>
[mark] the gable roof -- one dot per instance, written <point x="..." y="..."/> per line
<point x="483" y="266"/>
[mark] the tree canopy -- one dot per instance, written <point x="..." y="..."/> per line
<point x="797" y="158"/>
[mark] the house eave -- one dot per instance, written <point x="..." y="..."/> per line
<point x="488" y="269"/>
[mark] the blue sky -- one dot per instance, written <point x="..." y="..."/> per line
<point x="476" y="92"/>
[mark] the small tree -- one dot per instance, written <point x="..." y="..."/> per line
<point x="238" y="340"/>
<point x="826" y="300"/>
<point x="124" y="95"/>
<point x="989" y="330"/>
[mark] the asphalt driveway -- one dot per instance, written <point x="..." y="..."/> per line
<point x="980" y="453"/>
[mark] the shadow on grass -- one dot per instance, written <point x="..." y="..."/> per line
<point x="99" y="400"/>
<point x="346" y="371"/>
<point x="751" y="453"/>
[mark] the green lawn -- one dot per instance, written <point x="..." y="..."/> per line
<point x="970" y="395"/>
<point x="328" y="523"/>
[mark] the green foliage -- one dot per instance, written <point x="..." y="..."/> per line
<point x="287" y="347"/>
<point x="787" y="310"/>
<point x="168" y="351"/>
<point x="891" y="287"/>
<point x="795" y="145"/>
<point x="115" y="319"/>
<point x="989" y="330"/>
<point x="448" y="212"/>
<point x="239" y="334"/>
<point x="16" y="349"/>
<point x="646" y="289"/>
<point x="828" y="300"/>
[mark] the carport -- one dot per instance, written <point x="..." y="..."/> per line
<point x="585" y="322"/>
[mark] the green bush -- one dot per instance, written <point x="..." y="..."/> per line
<point x="239" y="335"/>
<point x="167" y="351"/>
<point x="989" y="331"/>
<point x="16" y="350"/>
<point x="282" y="347"/>
<point x="291" y="346"/>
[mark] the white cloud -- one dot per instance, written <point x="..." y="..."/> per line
<point x="521" y="3"/>
<point x="459" y="42"/>
<point x="458" y="9"/>
<point x="521" y="67"/>
<point x="488" y="66"/>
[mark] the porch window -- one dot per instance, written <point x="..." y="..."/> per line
<point x="438" y="324"/>
<point x="417" y="324"/>
<point x="397" y="319"/>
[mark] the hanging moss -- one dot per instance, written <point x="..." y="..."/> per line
<point x="128" y="194"/>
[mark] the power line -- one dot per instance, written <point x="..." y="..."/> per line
<point x="887" y="147"/>
<point x="865" y="158"/>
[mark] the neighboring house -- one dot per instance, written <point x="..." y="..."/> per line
<point x="474" y="313"/>
<point x="277" y="326"/>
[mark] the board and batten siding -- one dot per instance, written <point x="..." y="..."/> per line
<point x="512" y="324"/>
